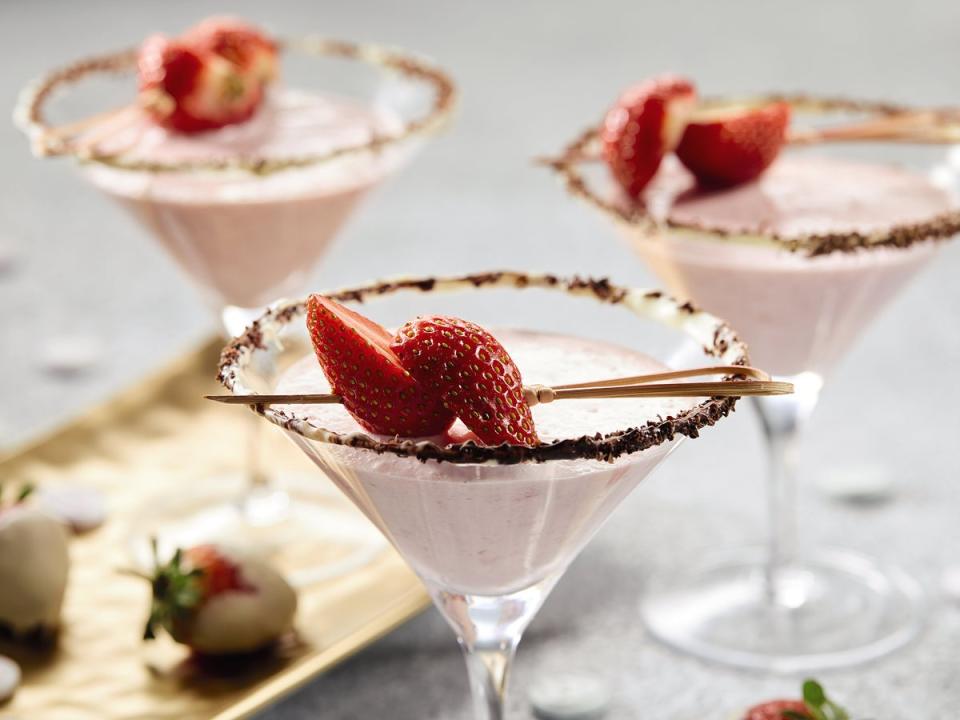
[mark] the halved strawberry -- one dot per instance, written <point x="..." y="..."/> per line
<point x="360" y="365"/>
<point x="725" y="146"/>
<point x="644" y="125"/>
<point x="779" y="710"/>
<point x="249" y="49"/>
<point x="189" y="91"/>
<point x="472" y="372"/>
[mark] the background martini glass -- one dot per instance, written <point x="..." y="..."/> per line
<point x="491" y="530"/>
<point x="800" y="295"/>
<point x="247" y="212"/>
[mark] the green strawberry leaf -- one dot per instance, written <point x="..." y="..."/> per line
<point x="813" y="694"/>
<point x="819" y="705"/>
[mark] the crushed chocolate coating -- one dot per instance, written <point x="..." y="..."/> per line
<point x="30" y="115"/>
<point x="720" y="341"/>
<point x="635" y="215"/>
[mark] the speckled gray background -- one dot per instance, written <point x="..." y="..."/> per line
<point x="531" y="74"/>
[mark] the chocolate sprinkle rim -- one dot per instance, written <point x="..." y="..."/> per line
<point x="938" y="227"/>
<point x="717" y="338"/>
<point x="29" y="114"/>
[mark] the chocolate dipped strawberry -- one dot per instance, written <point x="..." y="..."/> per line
<point x="218" y="601"/>
<point x="644" y="125"/>
<point x="34" y="566"/>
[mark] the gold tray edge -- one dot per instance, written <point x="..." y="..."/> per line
<point x="410" y="604"/>
<point x="137" y="387"/>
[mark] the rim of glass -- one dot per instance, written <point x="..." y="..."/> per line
<point x="30" y="117"/>
<point x="937" y="227"/>
<point x="714" y="335"/>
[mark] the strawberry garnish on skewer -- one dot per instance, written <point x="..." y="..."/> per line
<point x="377" y="390"/>
<point x="214" y="75"/>
<point x="643" y="126"/>
<point x="473" y="374"/>
<point x="725" y="146"/>
<point x="251" y="51"/>
<point x="418" y="382"/>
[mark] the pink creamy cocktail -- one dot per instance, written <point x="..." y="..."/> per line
<point x="244" y="172"/>
<point x="489" y="527"/>
<point x="800" y="250"/>
<point x="798" y="313"/>
<point x="247" y="239"/>
<point x="518" y="524"/>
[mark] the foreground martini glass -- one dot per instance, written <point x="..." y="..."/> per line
<point x="490" y="530"/>
<point x="247" y="211"/>
<point x="800" y="261"/>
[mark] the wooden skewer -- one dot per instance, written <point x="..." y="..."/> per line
<point x="918" y="127"/>
<point x="625" y="387"/>
<point x="753" y="372"/>
<point x="756" y="388"/>
<point x="81" y="136"/>
<point x="922" y="127"/>
<point x="536" y="394"/>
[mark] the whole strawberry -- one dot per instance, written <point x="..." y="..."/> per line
<point x="473" y="374"/>
<point x="358" y="361"/>
<point x="643" y="126"/>
<point x="219" y="601"/>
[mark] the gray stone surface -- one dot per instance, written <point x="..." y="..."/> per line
<point x="532" y="74"/>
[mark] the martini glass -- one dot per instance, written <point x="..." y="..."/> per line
<point x="800" y="299"/>
<point x="248" y="212"/>
<point x="490" y="530"/>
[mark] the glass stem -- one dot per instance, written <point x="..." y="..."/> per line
<point x="489" y="668"/>
<point x="489" y="629"/>
<point x="783" y="419"/>
<point x="257" y="479"/>
<point x="260" y="501"/>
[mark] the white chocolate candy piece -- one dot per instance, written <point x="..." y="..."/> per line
<point x="83" y="508"/>
<point x="858" y="484"/>
<point x="70" y="354"/>
<point x="569" y="696"/>
<point x="9" y="678"/>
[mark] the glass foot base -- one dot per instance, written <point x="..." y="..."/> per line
<point x="308" y="534"/>
<point x="835" y="609"/>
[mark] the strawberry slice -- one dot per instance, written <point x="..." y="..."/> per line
<point x="731" y="145"/>
<point x="779" y="710"/>
<point x="472" y="372"/>
<point x="360" y="365"/>
<point x="644" y="125"/>
<point x="249" y="50"/>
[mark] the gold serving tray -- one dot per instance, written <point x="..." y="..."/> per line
<point x="161" y="436"/>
